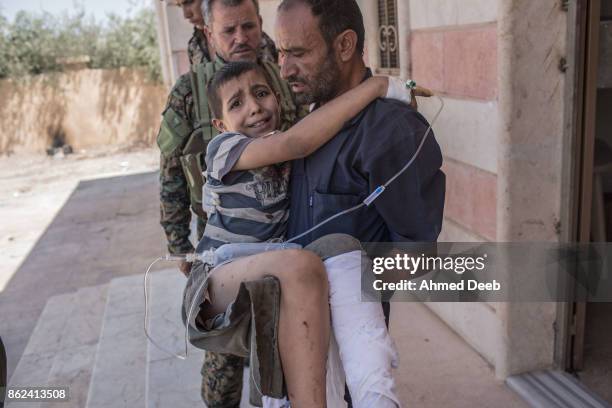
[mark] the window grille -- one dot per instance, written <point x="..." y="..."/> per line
<point x="388" y="46"/>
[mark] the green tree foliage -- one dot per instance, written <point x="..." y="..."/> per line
<point x="36" y="43"/>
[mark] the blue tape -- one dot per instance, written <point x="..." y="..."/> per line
<point x="370" y="199"/>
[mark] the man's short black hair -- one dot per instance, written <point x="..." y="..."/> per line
<point x="228" y="72"/>
<point x="335" y="16"/>
<point x="208" y="4"/>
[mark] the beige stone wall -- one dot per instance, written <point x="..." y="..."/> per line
<point x="87" y="108"/>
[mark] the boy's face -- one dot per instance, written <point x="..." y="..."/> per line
<point x="249" y="106"/>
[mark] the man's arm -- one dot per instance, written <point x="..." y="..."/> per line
<point x="175" y="213"/>
<point x="176" y="127"/>
<point x="314" y="130"/>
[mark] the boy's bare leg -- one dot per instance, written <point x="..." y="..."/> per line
<point x="304" y="316"/>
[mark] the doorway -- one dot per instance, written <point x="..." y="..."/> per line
<point x="589" y="354"/>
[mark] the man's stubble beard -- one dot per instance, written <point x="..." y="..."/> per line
<point x="324" y="85"/>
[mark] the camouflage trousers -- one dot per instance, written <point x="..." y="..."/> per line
<point x="221" y="373"/>
<point x="222" y="380"/>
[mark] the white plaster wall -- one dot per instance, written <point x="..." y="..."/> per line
<point x="440" y="13"/>
<point x="369" y="10"/>
<point x="476" y="323"/>
<point x="267" y="9"/>
<point x="180" y="29"/>
<point x="466" y="130"/>
<point x="174" y="33"/>
<point x="453" y="232"/>
<point x="403" y="32"/>
<point x="164" y="43"/>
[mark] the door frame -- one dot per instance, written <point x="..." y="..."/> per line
<point x="586" y="46"/>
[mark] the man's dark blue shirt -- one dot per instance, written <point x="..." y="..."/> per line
<point x="368" y="151"/>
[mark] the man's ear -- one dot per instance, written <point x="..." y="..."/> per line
<point x="220" y="125"/>
<point x="207" y="33"/>
<point x="346" y="45"/>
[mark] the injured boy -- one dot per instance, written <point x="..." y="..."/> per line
<point x="248" y="168"/>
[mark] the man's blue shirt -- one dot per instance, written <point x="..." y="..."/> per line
<point x="368" y="151"/>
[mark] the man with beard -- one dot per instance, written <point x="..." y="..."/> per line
<point x="322" y="57"/>
<point x="233" y="29"/>
<point x="175" y="214"/>
<point x="321" y="46"/>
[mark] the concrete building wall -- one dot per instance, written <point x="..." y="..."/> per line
<point x="267" y="9"/>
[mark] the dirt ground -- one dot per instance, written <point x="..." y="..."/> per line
<point x="34" y="187"/>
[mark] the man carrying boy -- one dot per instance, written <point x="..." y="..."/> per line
<point x="247" y="167"/>
<point x="322" y="58"/>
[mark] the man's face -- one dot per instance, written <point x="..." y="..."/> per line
<point x="307" y="63"/>
<point x="249" y="106"/>
<point x="192" y="11"/>
<point x="235" y="31"/>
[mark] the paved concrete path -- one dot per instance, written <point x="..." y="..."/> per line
<point x="107" y="228"/>
<point x="438" y="368"/>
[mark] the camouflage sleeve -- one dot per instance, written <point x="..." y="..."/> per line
<point x="177" y="125"/>
<point x="197" y="48"/>
<point x="175" y="214"/>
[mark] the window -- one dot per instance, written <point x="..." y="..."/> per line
<point x="388" y="46"/>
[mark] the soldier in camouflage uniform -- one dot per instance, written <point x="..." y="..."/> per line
<point x="184" y="133"/>
<point x="174" y="195"/>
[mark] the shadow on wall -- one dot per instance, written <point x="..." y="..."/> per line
<point x="85" y="108"/>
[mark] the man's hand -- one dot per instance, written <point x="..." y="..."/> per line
<point x="210" y="200"/>
<point x="185" y="268"/>
<point x="419" y="91"/>
<point x="406" y="91"/>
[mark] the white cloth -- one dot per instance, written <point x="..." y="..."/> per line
<point x="367" y="351"/>
<point x="268" y="402"/>
<point x="397" y="89"/>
